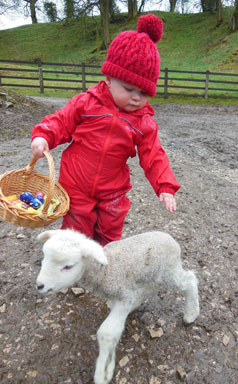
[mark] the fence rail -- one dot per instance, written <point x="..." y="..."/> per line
<point x="79" y="77"/>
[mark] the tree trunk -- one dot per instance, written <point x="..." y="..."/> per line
<point x="33" y="11"/>
<point x="142" y="6"/>
<point x="172" y="5"/>
<point x="235" y="17"/>
<point x="104" y="10"/>
<point x="219" y="12"/>
<point x="132" y="9"/>
<point x="209" y="5"/>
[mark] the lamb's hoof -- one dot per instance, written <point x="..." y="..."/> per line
<point x="101" y="377"/>
<point x="100" y="380"/>
<point x="190" y="317"/>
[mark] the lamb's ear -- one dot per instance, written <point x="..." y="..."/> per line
<point x="47" y="234"/>
<point x="91" y="248"/>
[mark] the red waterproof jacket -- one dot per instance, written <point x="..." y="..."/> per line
<point x="102" y="138"/>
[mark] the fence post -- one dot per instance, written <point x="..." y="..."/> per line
<point x="206" y="84"/>
<point x="83" y="78"/>
<point x="40" y="76"/>
<point x="166" y="75"/>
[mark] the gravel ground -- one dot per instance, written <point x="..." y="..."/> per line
<point x="52" y="339"/>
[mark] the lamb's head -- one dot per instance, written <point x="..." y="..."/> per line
<point x="65" y="258"/>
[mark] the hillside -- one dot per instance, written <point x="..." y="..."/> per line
<point x="190" y="42"/>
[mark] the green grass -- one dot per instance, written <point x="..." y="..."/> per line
<point x="190" y="42"/>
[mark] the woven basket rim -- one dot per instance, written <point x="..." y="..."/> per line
<point x="19" y="216"/>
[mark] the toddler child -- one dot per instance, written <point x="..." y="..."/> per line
<point x="104" y="126"/>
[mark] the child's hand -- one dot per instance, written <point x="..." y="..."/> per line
<point x="169" y="200"/>
<point x="38" y="146"/>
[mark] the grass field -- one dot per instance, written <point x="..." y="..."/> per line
<point x="190" y="42"/>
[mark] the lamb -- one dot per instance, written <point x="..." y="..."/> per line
<point x="124" y="273"/>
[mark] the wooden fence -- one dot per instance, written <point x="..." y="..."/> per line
<point x="79" y="77"/>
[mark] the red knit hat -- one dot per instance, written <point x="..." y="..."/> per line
<point x="133" y="56"/>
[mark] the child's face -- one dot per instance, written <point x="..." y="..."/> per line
<point x="126" y="96"/>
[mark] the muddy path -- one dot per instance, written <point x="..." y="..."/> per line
<point x="52" y="339"/>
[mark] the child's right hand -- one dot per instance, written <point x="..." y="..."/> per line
<point x="38" y="146"/>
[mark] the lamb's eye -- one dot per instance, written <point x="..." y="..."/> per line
<point x="67" y="267"/>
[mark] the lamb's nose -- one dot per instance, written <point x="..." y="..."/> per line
<point x="40" y="287"/>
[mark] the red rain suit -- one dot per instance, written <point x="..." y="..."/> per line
<point x="93" y="167"/>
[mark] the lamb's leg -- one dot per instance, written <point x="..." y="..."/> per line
<point x="108" y="337"/>
<point x="187" y="282"/>
<point x="191" y="310"/>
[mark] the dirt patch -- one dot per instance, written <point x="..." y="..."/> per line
<point x="52" y="339"/>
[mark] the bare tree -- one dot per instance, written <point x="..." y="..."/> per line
<point x="219" y="12"/>
<point x="30" y="8"/>
<point x="184" y="4"/>
<point x="113" y="10"/>
<point x="132" y="9"/>
<point x="235" y="17"/>
<point x="142" y="5"/>
<point x="208" y="5"/>
<point x="172" y="5"/>
<point x="8" y="5"/>
<point x="104" y="10"/>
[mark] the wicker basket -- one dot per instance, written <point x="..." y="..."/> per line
<point x="16" y="182"/>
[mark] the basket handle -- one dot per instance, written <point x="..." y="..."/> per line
<point x="29" y="169"/>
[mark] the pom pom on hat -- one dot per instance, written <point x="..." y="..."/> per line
<point x="133" y="56"/>
<point x="151" y="25"/>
